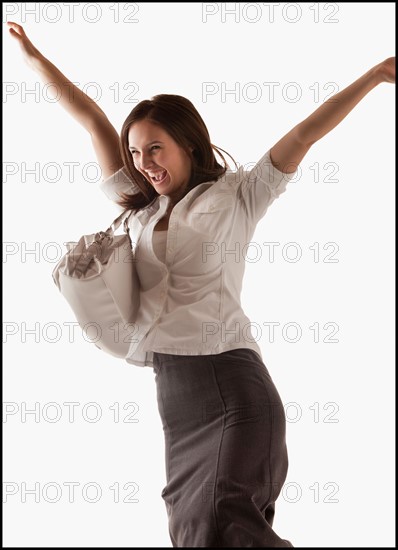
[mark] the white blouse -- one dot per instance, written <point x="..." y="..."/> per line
<point x="159" y="244"/>
<point x="190" y="296"/>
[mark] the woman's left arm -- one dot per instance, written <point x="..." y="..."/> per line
<point x="289" y="151"/>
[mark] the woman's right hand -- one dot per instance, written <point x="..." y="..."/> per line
<point x="31" y="55"/>
<point x="78" y="104"/>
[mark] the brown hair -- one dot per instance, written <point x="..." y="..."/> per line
<point x="180" y="119"/>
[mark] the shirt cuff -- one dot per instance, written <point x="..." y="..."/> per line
<point x="266" y="172"/>
<point x="119" y="182"/>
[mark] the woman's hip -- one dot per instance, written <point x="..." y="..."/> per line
<point x="234" y="385"/>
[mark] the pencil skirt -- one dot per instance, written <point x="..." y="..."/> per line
<point x="225" y="449"/>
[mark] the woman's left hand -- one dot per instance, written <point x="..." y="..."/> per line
<point x="386" y="70"/>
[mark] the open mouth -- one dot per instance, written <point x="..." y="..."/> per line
<point x="159" y="177"/>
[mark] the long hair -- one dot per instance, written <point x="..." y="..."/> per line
<point x="179" y="118"/>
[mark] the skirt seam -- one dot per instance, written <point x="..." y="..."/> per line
<point x="168" y="436"/>
<point x="218" y="454"/>
<point x="271" y="405"/>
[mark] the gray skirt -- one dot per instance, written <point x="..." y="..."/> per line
<point x="225" y="449"/>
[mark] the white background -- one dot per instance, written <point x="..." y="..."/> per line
<point x="173" y="49"/>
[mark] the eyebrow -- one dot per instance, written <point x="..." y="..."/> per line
<point x="147" y="145"/>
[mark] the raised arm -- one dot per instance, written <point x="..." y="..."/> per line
<point x="289" y="151"/>
<point x="84" y="110"/>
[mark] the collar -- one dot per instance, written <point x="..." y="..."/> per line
<point x="161" y="202"/>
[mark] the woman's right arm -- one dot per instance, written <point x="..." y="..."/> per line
<point x="84" y="110"/>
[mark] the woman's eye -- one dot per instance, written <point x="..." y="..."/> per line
<point x="153" y="147"/>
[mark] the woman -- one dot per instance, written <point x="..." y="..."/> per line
<point x="224" y="423"/>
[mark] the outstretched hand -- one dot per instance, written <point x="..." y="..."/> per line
<point x="386" y="70"/>
<point x="30" y="53"/>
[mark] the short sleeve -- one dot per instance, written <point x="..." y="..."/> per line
<point x="259" y="187"/>
<point x="119" y="182"/>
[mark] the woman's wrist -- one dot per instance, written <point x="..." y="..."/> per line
<point x="39" y="63"/>
<point x="385" y="71"/>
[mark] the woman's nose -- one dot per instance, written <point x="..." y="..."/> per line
<point x="146" y="163"/>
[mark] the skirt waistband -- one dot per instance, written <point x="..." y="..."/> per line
<point x="160" y="359"/>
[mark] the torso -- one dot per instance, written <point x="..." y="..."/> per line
<point x="162" y="224"/>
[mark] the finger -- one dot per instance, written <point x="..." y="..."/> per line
<point x="18" y="28"/>
<point x="15" y="34"/>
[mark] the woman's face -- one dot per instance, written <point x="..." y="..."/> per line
<point x="155" y="154"/>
